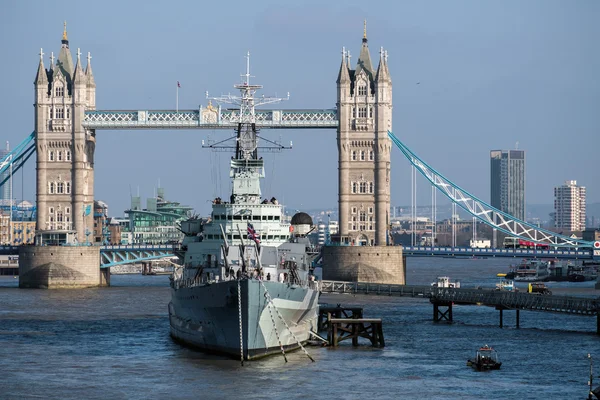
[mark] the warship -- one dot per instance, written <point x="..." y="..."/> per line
<point x="245" y="287"/>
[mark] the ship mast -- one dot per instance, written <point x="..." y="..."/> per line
<point x="246" y="166"/>
<point x="244" y="114"/>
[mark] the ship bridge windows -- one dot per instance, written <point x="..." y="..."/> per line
<point x="237" y="217"/>
<point x="256" y="217"/>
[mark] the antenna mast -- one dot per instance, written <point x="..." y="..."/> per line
<point x="245" y="115"/>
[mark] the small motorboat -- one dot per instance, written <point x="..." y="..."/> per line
<point x="445" y="282"/>
<point x="505" y="284"/>
<point x="485" y="359"/>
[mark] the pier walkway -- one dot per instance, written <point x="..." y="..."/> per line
<point x="447" y="297"/>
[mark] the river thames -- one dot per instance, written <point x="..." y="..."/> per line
<point x="114" y="343"/>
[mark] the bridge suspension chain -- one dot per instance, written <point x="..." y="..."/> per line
<point x="18" y="156"/>
<point x="491" y="216"/>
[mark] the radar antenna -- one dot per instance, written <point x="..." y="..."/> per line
<point x="244" y="114"/>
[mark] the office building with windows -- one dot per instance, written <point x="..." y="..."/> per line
<point x="159" y="222"/>
<point x="507" y="169"/>
<point x="569" y="207"/>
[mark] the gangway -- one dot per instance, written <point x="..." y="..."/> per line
<point x="500" y="300"/>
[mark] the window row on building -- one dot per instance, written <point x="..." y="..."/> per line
<point x="59" y="155"/>
<point x="51" y="210"/>
<point x="354" y="227"/>
<point x="59" y="226"/>
<point x="362" y="112"/>
<point x="59" y="112"/>
<point x="59" y="187"/>
<point x="362" y="187"/>
<point x="59" y="219"/>
<point x="355" y="210"/>
<point x="362" y="155"/>
<point x="362" y="218"/>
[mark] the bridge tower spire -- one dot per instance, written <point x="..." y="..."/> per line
<point x="365" y="113"/>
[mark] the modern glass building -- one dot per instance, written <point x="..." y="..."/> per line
<point x="159" y="222"/>
<point x="508" y="181"/>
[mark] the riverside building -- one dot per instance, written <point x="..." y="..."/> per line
<point x="159" y="222"/>
<point x="569" y="206"/>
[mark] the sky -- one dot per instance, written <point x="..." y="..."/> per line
<point x="468" y="77"/>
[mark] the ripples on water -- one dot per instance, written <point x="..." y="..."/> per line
<point x="113" y="343"/>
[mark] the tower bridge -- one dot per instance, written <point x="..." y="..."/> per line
<point x="64" y="140"/>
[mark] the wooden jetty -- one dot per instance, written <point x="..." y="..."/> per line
<point x="341" y="329"/>
<point x="326" y="312"/>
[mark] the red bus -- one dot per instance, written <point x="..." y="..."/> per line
<point x="516" y="243"/>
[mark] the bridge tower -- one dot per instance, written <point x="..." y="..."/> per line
<point x="364" y="106"/>
<point x="65" y="150"/>
<point x="65" y="175"/>
<point x="365" y="114"/>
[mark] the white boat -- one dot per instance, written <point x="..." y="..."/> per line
<point x="245" y="289"/>
<point x="507" y="285"/>
<point x="445" y="282"/>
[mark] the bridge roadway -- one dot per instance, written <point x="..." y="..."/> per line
<point x="501" y="300"/>
<point x="112" y="255"/>
<point x="563" y="253"/>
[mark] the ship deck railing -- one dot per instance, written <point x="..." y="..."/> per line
<point x="178" y="283"/>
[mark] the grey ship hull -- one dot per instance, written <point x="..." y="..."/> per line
<point x="206" y="317"/>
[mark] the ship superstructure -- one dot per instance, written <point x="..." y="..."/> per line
<point x="245" y="287"/>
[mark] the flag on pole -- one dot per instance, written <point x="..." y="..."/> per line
<point x="252" y="235"/>
<point x="177" y="97"/>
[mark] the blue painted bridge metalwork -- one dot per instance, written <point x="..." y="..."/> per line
<point x="215" y="117"/>
<point x="119" y="255"/>
<point x="208" y="118"/>
<point x="492" y="216"/>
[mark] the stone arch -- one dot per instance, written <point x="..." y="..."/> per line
<point x="362" y="240"/>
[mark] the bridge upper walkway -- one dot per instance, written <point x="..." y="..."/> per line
<point x="208" y="119"/>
